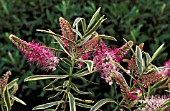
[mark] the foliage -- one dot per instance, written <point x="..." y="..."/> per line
<point x="87" y="53"/>
<point x="139" y="21"/>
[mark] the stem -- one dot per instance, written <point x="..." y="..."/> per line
<point x="115" y="92"/>
<point x="68" y="86"/>
<point x="69" y="82"/>
<point x="118" y="105"/>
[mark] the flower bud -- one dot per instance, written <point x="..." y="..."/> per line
<point x="135" y="94"/>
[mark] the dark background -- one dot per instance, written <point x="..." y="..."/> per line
<point x="145" y="21"/>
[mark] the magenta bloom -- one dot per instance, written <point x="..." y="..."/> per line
<point x="103" y="57"/>
<point x="135" y="94"/>
<point x="35" y="52"/>
<point x="87" y="48"/>
<point x="102" y="60"/>
<point x="166" y="72"/>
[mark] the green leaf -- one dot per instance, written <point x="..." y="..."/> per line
<point x="49" y="110"/>
<point x="11" y="57"/>
<point x="61" y="44"/>
<point x="18" y="100"/>
<point x="107" y="37"/>
<point x="6" y="98"/>
<point x="83" y="105"/>
<point x="73" y="86"/>
<point x="12" y="83"/>
<point x="156" y="69"/>
<point x="83" y="22"/>
<point x="65" y="84"/>
<point x="77" y="32"/>
<point x="47" y="105"/>
<point x="167" y="103"/>
<point x="157" y="84"/>
<point x="93" y="18"/>
<point x="65" y="60"/>
<point x="50" y="83"/>
<point x="84" y="40"/>
<point x="40" y="77"/>
<point x="95" y="27"/>
<point x="156" y="53"/>
<point x="85" y="101"/>
<point x="84" y="79"/>
<point x="58" y="88"/>
<point x="118" y="65"/>
<point x="148" y="58"/>
<point x="72" y="103"/>
<point x="163" y="8"/>
<point x="101" y="103"/>
<point x="49" y="32"/>
<point x="5" y="7"/>
<point x="139" y="61"/>
<point x="84" y="73"/>
<point x="76" y="21"/>
<point x="89" y="64"/>
<point x="51" y="97"/>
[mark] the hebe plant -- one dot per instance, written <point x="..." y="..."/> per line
<point x="87" y="53"/>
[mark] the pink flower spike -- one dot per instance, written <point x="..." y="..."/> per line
<point x="35" y="52"/>
<point x="67" y="33"/>
<point x="122" y="51"/>
<point x="4" y="80"/>
<point x="149" y="79"/>
<point x="86" y="49"/>
<point x="103" y="57"/>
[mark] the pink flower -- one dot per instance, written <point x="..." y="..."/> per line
<point x="166" y="72"/>
<point x="102" y="60"/>
<point x="35" y="52"/>
<point x="103" y="57"/>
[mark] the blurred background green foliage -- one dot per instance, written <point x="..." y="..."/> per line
<point x="145" y="21"/>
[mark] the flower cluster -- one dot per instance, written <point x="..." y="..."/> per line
<point x="87" y="48"/>
<point x="125" y="90"/>
<point x="67" y="33"/>
<point x="154" y="103"/>
<point x="35" y="52"/>
<point x="4" y="80"/>
<point x="149" y="79"/>
<point x="103" y="57"/>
